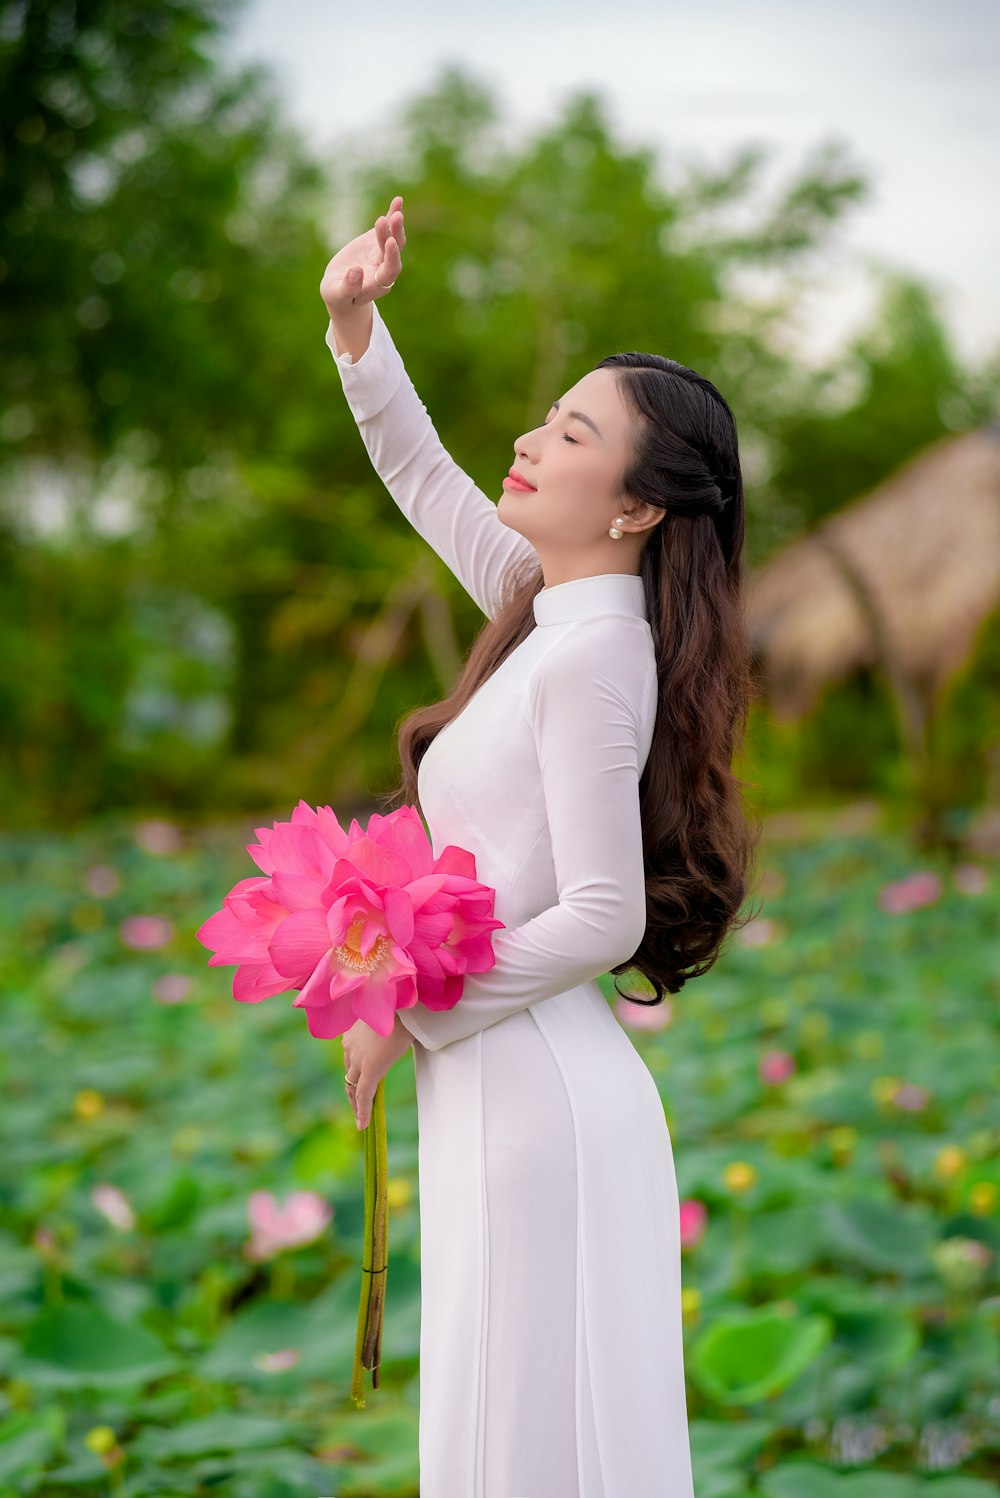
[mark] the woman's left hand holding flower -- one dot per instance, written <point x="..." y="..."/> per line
<point x="367" y="1058"/>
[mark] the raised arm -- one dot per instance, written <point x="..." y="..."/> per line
<point x="591" y="705"/>
<point x="438" y="498"/>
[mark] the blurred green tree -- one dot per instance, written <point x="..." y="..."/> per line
<point x="241" y="612"/>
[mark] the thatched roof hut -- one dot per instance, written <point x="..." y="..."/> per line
<point x="900" y="579"/>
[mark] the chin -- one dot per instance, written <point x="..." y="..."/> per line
<point x="502" y="511"/>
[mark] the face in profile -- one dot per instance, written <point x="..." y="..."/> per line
<point x="575" y="461"/>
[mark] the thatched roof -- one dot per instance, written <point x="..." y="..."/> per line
<point x="902" y="577"/>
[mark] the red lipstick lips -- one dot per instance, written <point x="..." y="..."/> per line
<point x="516" y="481"/>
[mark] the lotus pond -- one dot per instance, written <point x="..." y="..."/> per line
<point x="182" y="1190"/>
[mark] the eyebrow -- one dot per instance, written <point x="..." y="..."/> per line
<point x="580" y="417"/>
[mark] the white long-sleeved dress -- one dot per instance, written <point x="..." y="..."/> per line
<point x="551" y="1358"/>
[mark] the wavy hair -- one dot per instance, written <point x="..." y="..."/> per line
<point x="698" y="843"/>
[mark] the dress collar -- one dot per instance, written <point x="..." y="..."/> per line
<point x="587" y="597"/>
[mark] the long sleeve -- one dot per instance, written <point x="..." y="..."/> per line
<point x="586" y="701"/>
<point x="438" y="498"/>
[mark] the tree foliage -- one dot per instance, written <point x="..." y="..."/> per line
<point x="208" y="597"/>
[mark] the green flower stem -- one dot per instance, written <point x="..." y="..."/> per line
<point x="741" y="1247"/>
<point x="375" y="1255"/>
<point x="282" y="1279"/>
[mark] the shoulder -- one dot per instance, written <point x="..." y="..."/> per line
<point x="606" y="661"/>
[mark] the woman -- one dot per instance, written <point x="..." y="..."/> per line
<point x="585" y="759"/>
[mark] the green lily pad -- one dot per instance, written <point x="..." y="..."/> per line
<point x="801" y="1479"/>
<point x="78" y="1344"/>
<point x="28" y="1441"/>
<point x="380" y="1453"/>
<point x="722" y="1455"/>
<point x="749" y="1355"/>
<point x="876" y="1333"/>
<point x="883" y="1237"/>
<point x="229" y="1430"/>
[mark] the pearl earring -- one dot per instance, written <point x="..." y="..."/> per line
<point x="614" y="532"/>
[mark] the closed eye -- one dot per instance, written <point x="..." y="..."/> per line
<point x="566" y="436"/>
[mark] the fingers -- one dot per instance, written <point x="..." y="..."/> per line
<point x="353" y="1093"/>
<point x="396" y="220"/>
<point x="391" y="224"/>
<point x="392" y="262"/>
<point x="363" y="1097"/>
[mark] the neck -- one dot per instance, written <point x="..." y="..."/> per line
<point x="599" y="561"/>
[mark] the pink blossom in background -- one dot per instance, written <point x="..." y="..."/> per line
<point x="760" y="932"/>
<point x="649" y="1017"/>
<point x="172" y="988"/>
<point x="362" y="922"/>
<point x="279" y="1361"/>
<point x="911" y="893"/>
<point x="775" y="1067"/>
<point x="969" y="878"/>
<point x="101" y="879"/>
<point x="144" y="933"/>
<point x="157" y="835"/>
<point x="911" y="1098"/>
<point x="274" y="1227"/>
<point x="694" y="1220"/>
<point x="113" y="1204"/>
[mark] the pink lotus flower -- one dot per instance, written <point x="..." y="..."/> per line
<point x="760" y="932"/>
<point x="776" y="1067"/>
<point x="44" y="1239"/>
<point x="277" y="1362"/>
<point x="144" y="933"/>
<point x="157" y="835"/>
<point x="274" y="1228"/>
<point x="172" y="988"/>
<point x="113" y="1204"/>
<point x="362" y="922"/>
<point x="102" y="879"/>
<point x="970" y="878"/>
<point x="911" y="893"/>
<point x="911" y="1098"/>
<point x="694" y="1220"/>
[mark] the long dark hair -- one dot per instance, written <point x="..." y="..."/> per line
<point x="698" y="844"/>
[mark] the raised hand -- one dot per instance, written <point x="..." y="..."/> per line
<point x="367" y="267"/>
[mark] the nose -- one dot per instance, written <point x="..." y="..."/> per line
<point x="525" y="448"/>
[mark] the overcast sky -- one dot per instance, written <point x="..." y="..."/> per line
<point x="912" y="87"/>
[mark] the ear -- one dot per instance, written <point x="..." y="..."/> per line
<point x="644" y="517"/>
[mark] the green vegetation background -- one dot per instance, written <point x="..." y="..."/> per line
<point x="209" y="601"/>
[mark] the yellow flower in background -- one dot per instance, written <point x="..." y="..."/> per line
<point x="187" y="1139"/>
<point x="868" y="1044"/>
<point x="884" y="1089"/>
<point x="100" y="1439"/>
<point x="398" y="1192"/>
<point x="815" y="1026"/>
<point x="842" y="1140"/>
<point x="739" y="1176"/>
<point x="690" y="1303"/>
<point x="88" y="1103"/>
<point x="983" y="1199"/>
<point x="774" y="1011"/>
<point x="949" y="1162"/>
<point x="86" y="915"/>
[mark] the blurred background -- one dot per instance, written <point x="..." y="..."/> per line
<point x="211" y="609"/>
